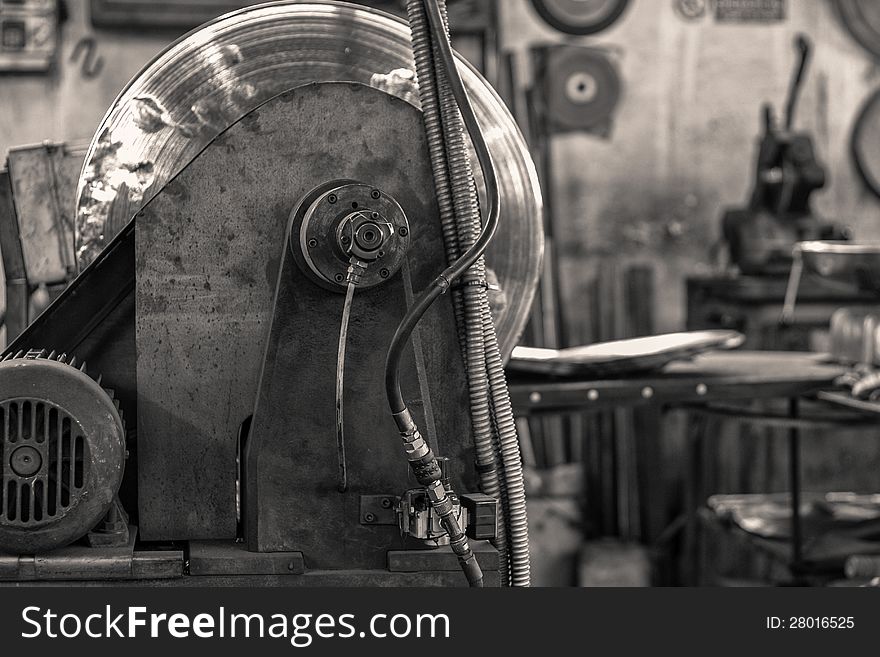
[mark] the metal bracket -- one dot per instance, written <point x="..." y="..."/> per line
<point x="379" y="509"/>
<point x="113" y="530"/>
<point x="81" y="563"/>
<point x="229" y="558"/>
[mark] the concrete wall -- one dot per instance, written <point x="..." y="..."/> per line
<point x="683" y="142"/>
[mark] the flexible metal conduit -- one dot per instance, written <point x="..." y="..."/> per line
<point x="512" y="488"/>
<point x="478" y="318"/>
<point x="491" y="415"/>
<point x="443" y="146"/>
<point x="475" y="301"/>
<point x="514" y="485"/>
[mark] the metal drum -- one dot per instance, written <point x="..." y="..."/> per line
<point x="216" y="74"/>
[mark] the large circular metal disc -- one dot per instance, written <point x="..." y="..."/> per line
<point x="861" y="18"/>
<point x="218" y="73"/>
<point x="866" y="143"/>
<point x="580" y="17"/>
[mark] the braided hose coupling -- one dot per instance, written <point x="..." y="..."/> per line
<point x="427" y="471"/>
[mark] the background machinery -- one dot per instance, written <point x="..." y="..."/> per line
<point x="761" y="236"/>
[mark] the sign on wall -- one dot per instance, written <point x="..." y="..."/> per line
<point x="28" y="35"/>
<point x="749" y="11"/>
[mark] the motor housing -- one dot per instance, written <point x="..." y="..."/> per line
<point x="62" y="452"/>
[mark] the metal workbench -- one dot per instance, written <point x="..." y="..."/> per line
<point x="717" y="376"/>
<point x="709" y="384"/>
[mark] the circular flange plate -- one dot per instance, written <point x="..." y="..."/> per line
<point x="580" y="17"/>
<point x="339" y="221"/>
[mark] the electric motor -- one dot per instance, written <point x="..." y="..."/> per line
<point x="62" y="452"/>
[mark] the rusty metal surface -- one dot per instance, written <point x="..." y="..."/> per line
<point x="321" y="578"/>
<point x="379" y="509"/>
<point x="16" y="311"/>
<point x="443" y="559"/>
<point x="215" y="75"/>
<point x="85" y="565"/>
<point x="209" y="249"/>
<point x="230" y="558"/>
<point x="43" y="179"/>
<point x="291" y="461"/>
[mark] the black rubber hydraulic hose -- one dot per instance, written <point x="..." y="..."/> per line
<point x="444" y="120"/>
<point x="422" y="460"/>
<point x="471" y="297"/>
<point x="442" y="283"/>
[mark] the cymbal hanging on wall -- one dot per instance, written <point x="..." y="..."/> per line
<point x="580" y="17"/>
<point x="865" y="143"/>
<point x="861" y="18"/>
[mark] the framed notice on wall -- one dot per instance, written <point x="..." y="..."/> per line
<point x="749" y="11"/>
<point x="161" y="14"/>
<point x="28" y="35"/>
<point x="465" y="16"/>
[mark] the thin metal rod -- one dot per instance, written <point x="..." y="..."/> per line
<point x="340" y="383"/>
<point x="791" y="290"/>
<point x="804" y="48"/>
<point x="794" y="464"/>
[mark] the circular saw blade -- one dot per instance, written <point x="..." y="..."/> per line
<point x="865" y="141"/>
<point x="215" y="75"/>
<point x="861" y="18"/>
<point x="581" y="88"/>
<point x="580" y="17"/>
